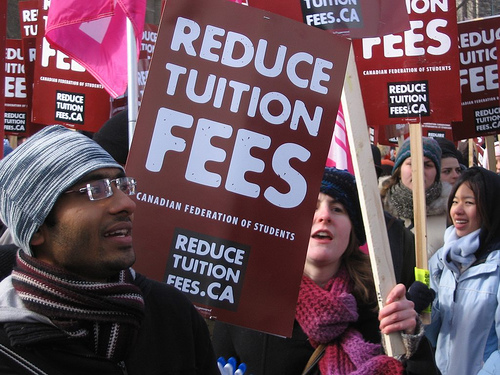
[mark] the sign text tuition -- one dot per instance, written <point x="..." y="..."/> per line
<point x="232" y="137"/>
<point x="235" y="50"/>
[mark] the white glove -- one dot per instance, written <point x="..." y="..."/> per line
<point x="230" y="367"/>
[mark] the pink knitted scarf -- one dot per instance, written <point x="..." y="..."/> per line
<point x="326" y="315"/>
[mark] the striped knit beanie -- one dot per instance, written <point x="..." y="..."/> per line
<point x="431" y="150"/>
<point x="341" y="185"/>
<point x="36" y="173"/>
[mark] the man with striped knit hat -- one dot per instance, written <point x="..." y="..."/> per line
<point x="73" y="304"/>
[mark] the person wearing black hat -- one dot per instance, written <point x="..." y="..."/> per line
<point x="113" y="137"/>
<point x="451" y="161"/>
<point x="336" y="310"/>
<point x="377" y="160"/>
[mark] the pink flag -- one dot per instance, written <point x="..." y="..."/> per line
<point x="94" y="33"/>
<point x="339" y="155"/>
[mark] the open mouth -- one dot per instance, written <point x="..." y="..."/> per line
<point x="118" y="233"/>
<point x="322" y="235"/>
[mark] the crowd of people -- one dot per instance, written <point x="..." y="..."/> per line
<point x="71" y="301"/>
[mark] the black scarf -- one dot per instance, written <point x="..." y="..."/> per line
<point x="107" y="314"/>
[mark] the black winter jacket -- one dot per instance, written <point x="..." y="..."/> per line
<point x="173" y="339"/>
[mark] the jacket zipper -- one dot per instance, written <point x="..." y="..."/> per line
<point x="122" y="367"/>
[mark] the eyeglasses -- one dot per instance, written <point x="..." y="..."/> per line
<point x="101" y="189"/>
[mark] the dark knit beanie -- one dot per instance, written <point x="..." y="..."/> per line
<point x="341" y="185"/>
<point x="449" y="150"/>
<point x="113" y="137"/>
<point x="377" y="159"/>
<point x="431" y="150"/>
<point x="7" y="149"/>
<point x="35" y="174"/>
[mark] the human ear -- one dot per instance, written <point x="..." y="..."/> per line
<point x="38" y="237"/>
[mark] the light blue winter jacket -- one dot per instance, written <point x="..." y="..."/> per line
<point x="465" y="314"/>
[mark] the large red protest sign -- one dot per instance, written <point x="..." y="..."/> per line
<point x="16" y="98"/>
<point x="229" y="149"/>
<point x="28" y="20"/>
<point x="479" y="78"/>
<point x="353" y="18"/>
<point x="498" y="66"/>
<point x="148" y="42"/>
<point x="413" y="76"/>
<point x="3" y="30"/>
<point x="390" y="134"/>
<point x="64" y="92"/>
<point x="149" y="36"/>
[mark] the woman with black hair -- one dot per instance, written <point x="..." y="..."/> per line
<point x="465" y="273"/>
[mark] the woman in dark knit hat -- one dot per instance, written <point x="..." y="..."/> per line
<point x="451" y="161"/>
<point x="337" y="305"/>
<point x="397" y="192"/>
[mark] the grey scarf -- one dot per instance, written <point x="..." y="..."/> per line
<point x="401" y="198"/>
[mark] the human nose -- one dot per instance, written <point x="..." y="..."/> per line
<point x="458" y="208"/>
<point x="122" y="202"/>
<point x="323" y="213"/>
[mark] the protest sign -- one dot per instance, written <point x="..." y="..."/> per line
<point x="64" y="92"/>
<point x="498" y="66"/>
<point x="28" y="20"/>
<point x="3" y="30"/>
<point x="479" y="78"/>
<point x="390" y="134"/>
<point x="355" y="19"/>
<point x="413" y="76"/>
<point x="148" y="42"/>
<point x="16" y="99"/>
<point x="229" y="150"/>
<point x="149" y="36"/>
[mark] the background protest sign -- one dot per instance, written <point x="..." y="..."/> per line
<point x="28" y="20"/>
<point x="389" y="134"/>
<point x="229" y="150"/>
<point x="355" y="19"/>
<point x="148" y="42"/>
<point x="3" y="29"/>
<point x="478" y="78"/>
<point x="16" y="100"/>
<point x="64" y="92"/>
<point x="413" y="76"/>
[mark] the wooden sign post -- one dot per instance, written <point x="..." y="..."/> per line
<point x="490" y="152"/>
<point x="419" y="210"/>
<point x="369" y="196"/>
<point x="472" y="152"/>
